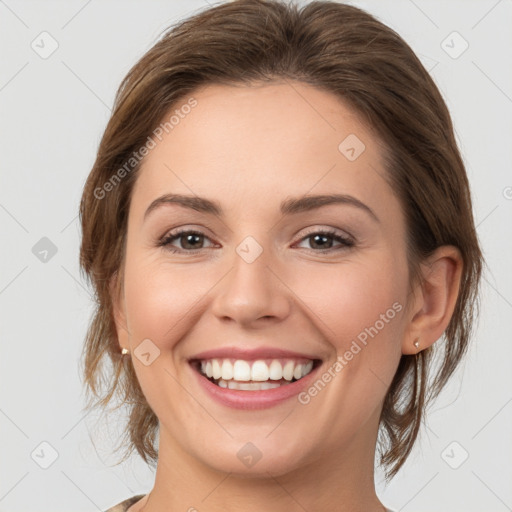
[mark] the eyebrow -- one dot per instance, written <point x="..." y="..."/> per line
<point x="290" y="206"/>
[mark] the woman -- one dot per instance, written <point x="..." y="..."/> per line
<point x="279" y="229"/>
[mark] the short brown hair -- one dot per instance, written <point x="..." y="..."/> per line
<point x="340" y="49"/>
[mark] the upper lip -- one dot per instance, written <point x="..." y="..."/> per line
<point x="250" y="354"/>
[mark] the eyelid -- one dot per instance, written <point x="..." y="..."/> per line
<point x="203" y="230"/>
<point x="328" y="229"/>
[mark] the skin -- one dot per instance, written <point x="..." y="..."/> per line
<point x="249" y="148"/>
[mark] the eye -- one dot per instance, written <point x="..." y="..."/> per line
<point x="321" y="239"/>
<point x="190" y="239"/>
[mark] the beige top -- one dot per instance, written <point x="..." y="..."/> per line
<point x="123" y="506"/>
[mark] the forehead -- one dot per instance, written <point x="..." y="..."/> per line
<point x="241" y="144"/>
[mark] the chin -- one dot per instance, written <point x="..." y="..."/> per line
<point x="253" y="460"/>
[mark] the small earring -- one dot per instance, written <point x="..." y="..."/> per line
<point x="124" y="351"/>
<point x="417" y="343"/>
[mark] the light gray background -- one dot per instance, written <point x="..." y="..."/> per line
<point x="53" y="112"/>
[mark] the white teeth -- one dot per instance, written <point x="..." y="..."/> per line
<point x="288" y="370"/>
<point x="269" y="385"/>
<point x="217" y="372"/>
<point x="259" y="371"/>
<point x="275" y="370"/>
<point x="249" y="386"/>
<point x="241" y="370"/>
<point x="226" y="370"/>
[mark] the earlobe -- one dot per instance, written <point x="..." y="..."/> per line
<point x="435" y="298"/>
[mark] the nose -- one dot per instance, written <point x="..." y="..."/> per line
<point x="252" y="294"/>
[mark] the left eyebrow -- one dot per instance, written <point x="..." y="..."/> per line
<point x="308" y="203"/>
<point x="288" y="207"/>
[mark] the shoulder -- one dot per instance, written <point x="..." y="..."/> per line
<point x="124" y="505"/>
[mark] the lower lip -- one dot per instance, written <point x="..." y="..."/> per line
<point x="242" y="399"/>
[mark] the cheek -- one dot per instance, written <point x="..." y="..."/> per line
<point x="348" y="298"/>
<point x="358" y="308"/>
<point x="161" y="305"/>
<point x="160" y="299"/>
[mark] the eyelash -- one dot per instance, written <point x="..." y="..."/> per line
<point x="345" y="241"/>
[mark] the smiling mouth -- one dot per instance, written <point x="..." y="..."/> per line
<point x="260" y="374"/>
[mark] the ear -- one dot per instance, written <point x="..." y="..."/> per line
<point x="118" y="309"/>
<point x="434" y="298"/>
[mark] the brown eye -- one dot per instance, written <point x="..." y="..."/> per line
<point x="323" y="241"/>
<point x="190" y="241"/>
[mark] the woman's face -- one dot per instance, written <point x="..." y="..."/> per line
<point x="262" y="277"/>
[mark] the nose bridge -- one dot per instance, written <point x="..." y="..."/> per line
<point x="251" y="289"/>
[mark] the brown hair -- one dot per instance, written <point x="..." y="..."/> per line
<point x="340" y="49"/>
